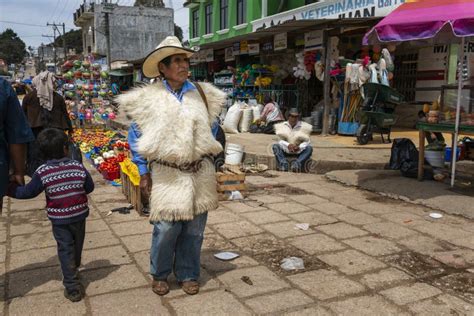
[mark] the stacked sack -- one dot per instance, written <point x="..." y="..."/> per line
<point x="240" y="116"/>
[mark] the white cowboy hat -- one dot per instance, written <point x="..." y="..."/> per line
<point x="168" y="47"/>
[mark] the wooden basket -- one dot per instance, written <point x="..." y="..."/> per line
<point x="230" y="179"/>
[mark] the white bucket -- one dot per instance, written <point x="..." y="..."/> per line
<point x="234" y="154"/>
<point x="435" y="158"/>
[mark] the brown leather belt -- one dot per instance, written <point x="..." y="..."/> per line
<point x="191" y="167"/>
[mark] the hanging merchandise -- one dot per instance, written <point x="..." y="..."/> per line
<point x="319" y="70"/>
<point x="373" y="73"/>
<point x="87" y="91"/>
<point x="300" y="70"/>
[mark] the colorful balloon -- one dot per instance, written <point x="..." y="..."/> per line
<point x="112" y="116"/>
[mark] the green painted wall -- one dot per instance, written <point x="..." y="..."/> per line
<point x="254" y="12"/>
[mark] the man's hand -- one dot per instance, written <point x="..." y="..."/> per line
<point x="145" y="185"/>
<point x="17" y="178"/>
<point x="292" y="148"/>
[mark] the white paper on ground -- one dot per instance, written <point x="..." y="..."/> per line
<point x="302" y="226"/>
<point x="226" y="255"/>
<point x="436" y="215"/>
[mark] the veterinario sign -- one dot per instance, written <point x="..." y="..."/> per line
<point x="335" y="9"/>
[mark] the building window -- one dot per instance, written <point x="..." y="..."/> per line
<point x="195" y="23"/>
<point x="241" y="9"/>
<point x="209" y="19"/>
<point x="224" y="14"/>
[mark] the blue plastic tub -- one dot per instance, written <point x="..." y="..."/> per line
<point x="447" y="154"/>
<point x="347" y="128"/>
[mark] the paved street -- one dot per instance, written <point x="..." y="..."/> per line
<point x="364" y="254"/>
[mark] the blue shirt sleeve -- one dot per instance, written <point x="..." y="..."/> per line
<point x="215" y="128"/>
<point x="89" y="183"/>
<point x="133" y="136"/>
<point x="17" y="129"/>
<point x="29" y="191"/>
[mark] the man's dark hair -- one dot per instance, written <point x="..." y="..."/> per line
<point x="52" y="142"/>
<point x="167" y="62"/>
<point x="267" y="99"/>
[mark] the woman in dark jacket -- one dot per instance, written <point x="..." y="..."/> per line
<point x="41" y="117"/>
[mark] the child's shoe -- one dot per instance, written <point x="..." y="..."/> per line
<point x="74" y="295"/>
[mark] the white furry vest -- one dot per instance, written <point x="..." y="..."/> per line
<point x="177" y="133"/>
<point x="297" y="135"/>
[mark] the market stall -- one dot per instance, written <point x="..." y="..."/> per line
<point x="441" y="21"/>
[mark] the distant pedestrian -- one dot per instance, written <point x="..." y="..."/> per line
<point x="66" y="183"/>
<point x="44" y="108"/>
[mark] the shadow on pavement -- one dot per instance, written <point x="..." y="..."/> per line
<point x="29" y="277"/>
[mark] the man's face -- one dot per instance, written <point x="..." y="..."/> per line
<point x="178" y="69"/>
<point x="292" y="119"/>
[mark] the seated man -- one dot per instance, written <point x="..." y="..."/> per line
<point x="294" y="141"/>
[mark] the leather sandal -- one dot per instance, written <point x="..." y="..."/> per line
<point x="190" y="287"/>
<point x="160" y="287"/>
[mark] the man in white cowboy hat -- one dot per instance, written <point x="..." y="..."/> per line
<point x="294" y="142"/>
<point x="173" y="119"/>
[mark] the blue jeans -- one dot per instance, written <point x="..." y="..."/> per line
<point x="298" y="164"/>
<point x="70" y="240"/>
<point x="177" y="246"/>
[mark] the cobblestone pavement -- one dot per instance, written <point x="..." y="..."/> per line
<point x="364" y="255"/>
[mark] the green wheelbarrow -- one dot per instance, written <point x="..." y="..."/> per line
<point x="376" y="115"/>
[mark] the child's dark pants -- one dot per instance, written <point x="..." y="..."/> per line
<point x="70" y="239"/>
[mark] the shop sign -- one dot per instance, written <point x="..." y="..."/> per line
<point x="280" y="42"/>
<point x="244" y="48"/>
<point x="254" y="49"/>
<point x="299" y="40"/>
<point x="209" y="55"/>
<point x="267" y="47"/>
<point x="236" y="48"/>
<point x="332" y="9"/>
<point x="313" y="40"/>
<point x="229" y="54"/>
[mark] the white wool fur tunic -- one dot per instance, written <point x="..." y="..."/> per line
<point x="295" y="136"/>
<point x="178" y="133"/>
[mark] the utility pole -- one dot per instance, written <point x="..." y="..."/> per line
<point x="327" y="83"/>
<point x="55" y="28"/>
<point x="64" y="41"/>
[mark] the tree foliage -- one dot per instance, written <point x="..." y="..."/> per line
<point x="178" y="32"/>
<point x="12" y="48"/>
<point x="73" y="41"/>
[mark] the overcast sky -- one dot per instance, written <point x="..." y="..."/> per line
<point x="28" y="18"/>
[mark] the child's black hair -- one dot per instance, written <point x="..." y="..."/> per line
<point x="52" y="142"/>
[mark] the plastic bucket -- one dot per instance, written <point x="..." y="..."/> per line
<point x="448" y="153"/>
<point x="234" y="154"/>
<point x="435" y="158"/>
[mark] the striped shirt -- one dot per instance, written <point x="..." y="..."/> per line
<point x="66" y="184"/>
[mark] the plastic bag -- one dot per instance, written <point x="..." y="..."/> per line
<point x="404" y="157"/>
<point x="292" y="263"/>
